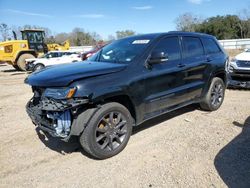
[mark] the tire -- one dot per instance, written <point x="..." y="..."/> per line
<point x="37" y="67"/>
<point x="108" y="131"/>
<point x="16" y="67"/>
<point x="215" y="95"/>
<point x="21" y="61"/>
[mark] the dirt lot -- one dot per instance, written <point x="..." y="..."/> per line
<point x="186" y="148"/>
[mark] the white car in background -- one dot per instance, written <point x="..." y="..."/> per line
<point x="239" y="70"/>
<point x="52" y="58"/>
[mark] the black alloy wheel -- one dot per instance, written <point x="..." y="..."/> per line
<point x="111" y="131"/>
<point x="217" y="94"/>
<point x="214" y="96"/>
<point x="108" y="131"/>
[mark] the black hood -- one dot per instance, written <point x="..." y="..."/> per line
<point x="63" y="75"/>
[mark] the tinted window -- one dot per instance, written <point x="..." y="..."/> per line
<point x="54" y="54"/>
<point x="60" y="54"/>
<point x="170" y="46"/>
<point x="210" y="46"/>
<point x="69" y="53"/>
<point x="192" y="47"/>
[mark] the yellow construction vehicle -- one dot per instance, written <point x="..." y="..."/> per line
<point x="32" y="45"/>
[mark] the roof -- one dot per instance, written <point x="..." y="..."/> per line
<point x="188" y="33"/>
<point x="156" y="35"/>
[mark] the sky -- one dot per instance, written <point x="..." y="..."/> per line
<point x="108" y="16"/>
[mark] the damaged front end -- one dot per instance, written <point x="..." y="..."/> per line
<point x="54" y="115"/>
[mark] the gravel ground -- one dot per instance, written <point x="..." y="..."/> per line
<point x="185" y="148"/>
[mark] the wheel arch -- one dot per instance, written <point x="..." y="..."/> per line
<point x="124" y="100"/>
<point x="222" y="75"/>
<point x="85" y="115"/>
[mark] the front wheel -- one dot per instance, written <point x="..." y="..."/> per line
<point x="108" y="131"/>
<point x="38" y="67"/>
<point x="215" y="95"/>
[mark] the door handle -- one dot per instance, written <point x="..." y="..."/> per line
<point x="181" y="65"/>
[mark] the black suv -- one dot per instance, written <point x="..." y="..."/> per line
<point x="126" y="83"/>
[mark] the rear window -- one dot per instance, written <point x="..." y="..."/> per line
<point x="192" y="47"/>
<point x="210" y="46"/>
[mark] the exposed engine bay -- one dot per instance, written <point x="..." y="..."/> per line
<point x="51" y="115"/>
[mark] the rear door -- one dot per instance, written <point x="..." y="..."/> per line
<point x="194" y="66"/>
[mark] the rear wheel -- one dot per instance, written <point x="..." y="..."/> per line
<point x="21" y="61"/>
<point x="108" y="131"/>
<point x="214" y="96"/>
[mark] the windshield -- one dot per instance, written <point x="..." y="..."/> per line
<point x="33" y="37"/>
<point x="121" y="51"/>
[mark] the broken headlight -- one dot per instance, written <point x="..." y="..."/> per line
<point x="59" y="93"/>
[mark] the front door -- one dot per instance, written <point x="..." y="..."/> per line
<point x="164" y="81"/>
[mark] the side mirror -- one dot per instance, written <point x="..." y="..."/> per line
<point x="157" y="57"/>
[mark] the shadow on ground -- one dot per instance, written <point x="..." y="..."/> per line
<point x="60" y="146"/>
<point x="57" y="144"/>
<point x="10" y="70"/>
<point x="152" y="122"/>
<point x="73" y="145"/>
<point x="13" y="71"/>
<point x="18" y="73"/>
<point x="233" y="161"/>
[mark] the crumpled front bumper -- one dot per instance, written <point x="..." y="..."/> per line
<point x="38" y="118"/>
<point x="45" y="113"/>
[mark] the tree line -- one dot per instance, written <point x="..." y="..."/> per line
<point x="223" y="27"/>
<point x="77" y="37"/>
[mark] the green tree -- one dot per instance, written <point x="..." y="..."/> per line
<point x="78" y="37"/>
<point x="125" y="33"/>
<point x="223" y="27"/>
